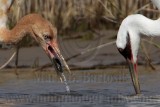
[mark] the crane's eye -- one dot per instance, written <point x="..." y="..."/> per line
<point x="47" y="37"/>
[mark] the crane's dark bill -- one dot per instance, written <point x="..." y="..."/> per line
<point x="55" y="61"/>
<point x="57" y="64"/>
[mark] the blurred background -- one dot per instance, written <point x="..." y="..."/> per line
<point x="82" y="25"/>
<point x="74" y="15"/>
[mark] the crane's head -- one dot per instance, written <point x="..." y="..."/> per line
<point x="48" y="40"/>
<point x="128" y="54"/>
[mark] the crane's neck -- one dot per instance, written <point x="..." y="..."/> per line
<point x="134" y="26"/>
<point x="4" y="35"/>
<point x="15" y="34"/>
<point x="149" y="27"/>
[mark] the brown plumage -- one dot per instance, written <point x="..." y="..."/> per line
<point x="41" y="30"/>
<point x="32" y="24"/>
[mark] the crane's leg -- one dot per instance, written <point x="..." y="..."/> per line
<point x="16" y="60"/>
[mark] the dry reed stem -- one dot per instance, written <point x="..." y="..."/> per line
<point x="148" y="59"/>
<point x="111" y="43"/>
<point x="64" y="12"/>
<point x="8" y="61"/>
<point x="91" y="49"/>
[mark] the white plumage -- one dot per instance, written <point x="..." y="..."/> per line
<point x="128" y="39"/>
<point x="134" y="26"/>
<point x="156" y="3"/>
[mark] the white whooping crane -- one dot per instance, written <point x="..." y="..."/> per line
<point x="128" y="39"/>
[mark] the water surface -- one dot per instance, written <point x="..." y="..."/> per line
<point x="108" y="87"/>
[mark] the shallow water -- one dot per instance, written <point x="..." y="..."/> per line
<point x="108" y="87"/>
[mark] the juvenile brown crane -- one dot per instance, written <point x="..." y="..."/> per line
<point x="42" y="31"/>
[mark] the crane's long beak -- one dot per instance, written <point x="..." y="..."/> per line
<point x="56" y="58"/>
<point x="134" y="75"/>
